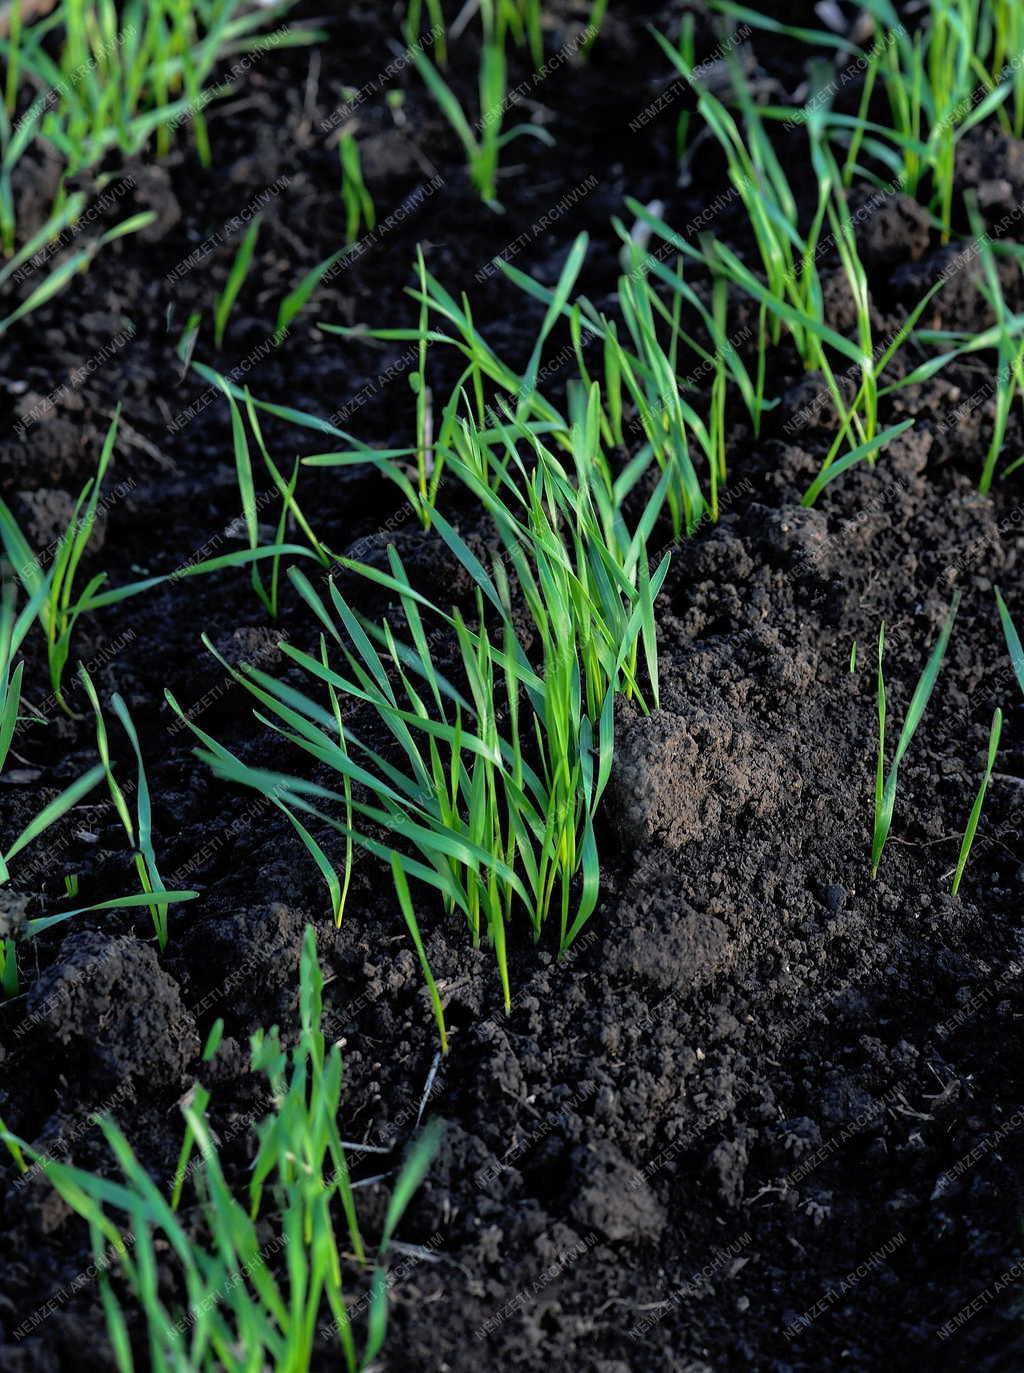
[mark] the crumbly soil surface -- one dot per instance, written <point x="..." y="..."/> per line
<point x="768" y="1114"/>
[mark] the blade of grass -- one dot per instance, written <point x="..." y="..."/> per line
<point x="885" y="793"/>
<point x="239" y="271"/>
<point x="979" y="800"/>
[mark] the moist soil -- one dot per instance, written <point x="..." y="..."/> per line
<point x="767" y="1114"/>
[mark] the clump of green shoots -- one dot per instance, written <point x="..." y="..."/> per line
<point x="1005" y="337"/>
<point x="1004" y="20"/>
<point x="790" y="294"/>
<point x="54" y="590"/>
<point x="885" y="786"/>
<point x="114" y="80"/>
<point x="941" y="79"/>
<point x="412" y="27"/>
<point x="640" y="364"/>
<point x="251" y="505"/>
<point x="139" y="830"/>
<point x="14" y="926"/>
<point x="234" y="1308"/>
<point x="53" y="593"/>
<point x="523" y="20"/>
<point x="484" y="140"/>
<point x="488" y="829"/>
<point x="558" y="517"/>
<point x="931" y="81"/>
<point x="484" y="370"/>
<point x="122" y="79"/>
<point x="489" y="792"/>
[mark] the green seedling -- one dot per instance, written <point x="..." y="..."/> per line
<point x="13" y="629"/>
<point x="646" y="372"/>
<point x="14" y="27"/>
<point x="213" y="1040"/>
<point x="483" y="370"/>
<point x="139" y="830"/>
<point x="1012" y="638"/>
<point x="1004" y="21"/>
<point x="358" y="202"/>
<point x="790" y="295"/>
<point x="598" y="10"/>
<point x="53" y="591"/>
<point x="523" y="21"/>
<point x="868" y="450"/>
<point x="15" y="928"/>
<point x="638" y="370"/>
<point x="290" y="508"/>
<point x="337" y="887"/>
<point x="239" y="271"/>
<point x="483" y="141"/>
<point x="885" y="786"/>
<point x="933" y="79"/>
<point x="412" y="27"/>
<point x="1005" y="338"/>
<point x="70" y="267"/>
<point x="941" y="78"/>
<point x="187" y="340"/>
<point x="562" y="526"/>
<point x="296" y="301"/>
<point x="409" y="916"/>
<point x="979" y="800"/>
<point x="116" y="79"/>
<point x="15" y="140"/>
<point x="302" y="418"/>
<point x="127" y="77"/>
<point x="757" y="175"/>
<point x="500" y="773"/>
<point x="1010" y="353"/>
<point x="243" y="1310"/>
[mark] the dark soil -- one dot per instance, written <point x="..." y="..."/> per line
<point x="768" y="1113"/>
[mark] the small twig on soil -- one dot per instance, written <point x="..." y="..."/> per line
<point x="367" y="1148"/>
<point x="309" y="98"/>
<point x="1008" y="777"/>
<point x="428" y="1088"/>
<point x="905" y="1109"/>
<point x="416" y="1251"/>
<point x="369" y="1182"/>
<point x="462" y="19"/>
